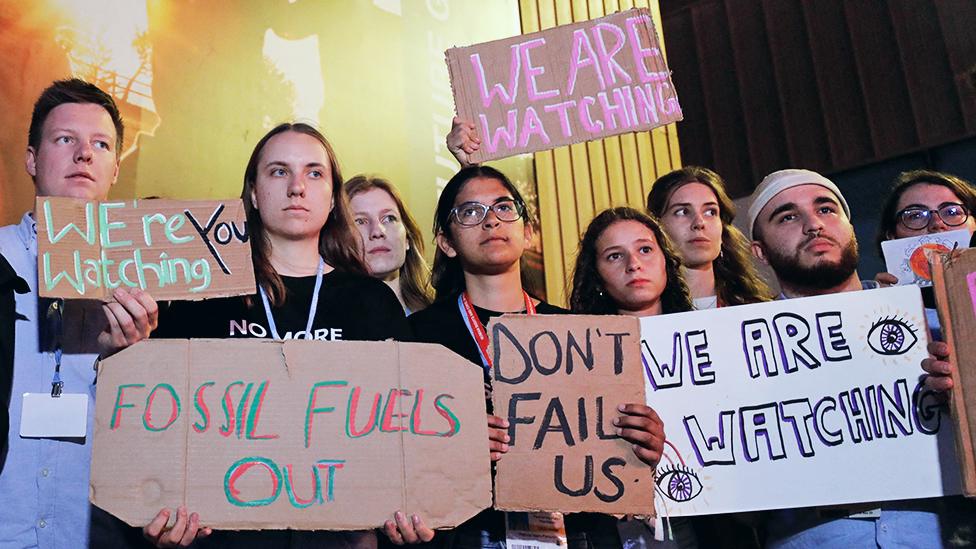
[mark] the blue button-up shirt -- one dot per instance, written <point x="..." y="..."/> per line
<point x="44" y="484"/>
<point x="916" y="524"/>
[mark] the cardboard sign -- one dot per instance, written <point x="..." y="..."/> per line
<point x="173" y="249"/>
<point x="955" y="295"/>
<point x="564" y="85"/>
<point x="797" y="403"/>
<point x="307" y="435"/>
<point x="559" y="380"/>
<point x="910" y="259"/>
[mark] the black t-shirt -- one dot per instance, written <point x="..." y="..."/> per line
<point x="351" y="307"/>
<point x="9" y="283"/>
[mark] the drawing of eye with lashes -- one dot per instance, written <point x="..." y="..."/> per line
<point x="678" y="482"/>
<point x="892" y="336"/>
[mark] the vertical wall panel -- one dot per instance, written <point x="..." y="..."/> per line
<point x="956" y="17"/>
<point x="796" y="81"/>
<point x="683" y="53"/>
<point x="848" y="137"/>
<point x="824" y="84"/>
<point x="936" y="105"/>
<point x="881" y="77"/>
<point x="762" y="118"/>
<point x="577" y="182"/>
<point x="721" y="90"/>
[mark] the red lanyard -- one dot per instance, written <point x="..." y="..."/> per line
<point x="477" y="329"/>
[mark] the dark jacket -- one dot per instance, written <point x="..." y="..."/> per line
<point x="9" y="283"/>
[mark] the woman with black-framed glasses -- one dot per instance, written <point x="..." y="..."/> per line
<point x="481" y="229"/>
<point x="924" y="202"/>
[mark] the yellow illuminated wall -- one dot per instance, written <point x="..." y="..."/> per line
<point x="577" y="182"/>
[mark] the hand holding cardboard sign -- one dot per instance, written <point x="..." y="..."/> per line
<point x="497" y="436"/>
<point x="463" y="141"/>
<point x="640" y="425"/>
<point x="185" y="530"/>
<point x="404" y="532"/>
<point x="938" y="367"/>
<point x="132" y="316"/>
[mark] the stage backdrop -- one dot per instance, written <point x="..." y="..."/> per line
<point x="200" y="82"/>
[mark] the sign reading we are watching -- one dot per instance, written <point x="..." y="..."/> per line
<point x="564" y="85"/>
<point x="797" y="403"/>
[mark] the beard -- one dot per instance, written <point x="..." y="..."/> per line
<point x="822" y="275"/>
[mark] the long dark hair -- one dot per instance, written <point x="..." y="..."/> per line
<point x="736" y="279"/>
<point x="339" y="242"/>
<point x="447" y="275"/>
<point x="414" y="273"/>
<point x="589" y="294"/>
<point x="905" y="180"/>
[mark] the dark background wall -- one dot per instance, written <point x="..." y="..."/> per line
<point x="858" y="90"/>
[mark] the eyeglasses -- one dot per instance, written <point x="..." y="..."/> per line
<point x="916" y="218"/>
<point x="470" y="214"/>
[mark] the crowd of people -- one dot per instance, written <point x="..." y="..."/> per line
<point x="339" y="259"/>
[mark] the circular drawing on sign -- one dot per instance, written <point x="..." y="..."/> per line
<point x="919" y="260"/>
<point x="679" y="482"/>
<point x="892" y="336"/>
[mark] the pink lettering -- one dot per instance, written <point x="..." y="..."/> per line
<point x="589" y="124"/>
<point x="506" y="95"/>
<point x="671" y="105"/>
<point x="646" y="107"/>
<point x="562" y="109"/>
<point x="507" y="133"/>
<point x="581" y="45"/>
<point x="634" y="25"/>
<point x="607" y="61"/>
<point x="613" y="111"/>
<point x="531" y="125"/>
<point x="532" y="72"/>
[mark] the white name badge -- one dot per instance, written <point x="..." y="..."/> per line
<point x="44" y="416"/>
<point x="535" y="530"/>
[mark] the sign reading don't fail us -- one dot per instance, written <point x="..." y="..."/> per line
<point x="558" y="380"/>
<point x="173" y="249"/>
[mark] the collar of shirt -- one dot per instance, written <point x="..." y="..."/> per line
<point x="27" y="231"/>
<point x="865" y="285"/>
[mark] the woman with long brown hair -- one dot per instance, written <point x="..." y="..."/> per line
<point x="626" y="265"/>
<point x="697" y="214"/>
<point x="392" y="242"/>
<point x="312" y="284"/>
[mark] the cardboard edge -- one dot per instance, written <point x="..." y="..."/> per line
<point x="962" y="434"/>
